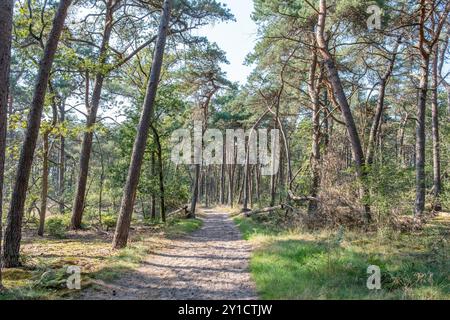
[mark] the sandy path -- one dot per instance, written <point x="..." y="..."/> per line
<point x="210" y="263"/>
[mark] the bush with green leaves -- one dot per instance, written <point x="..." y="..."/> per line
<point x="56" y="226"/>
<point x="109" y="221"/>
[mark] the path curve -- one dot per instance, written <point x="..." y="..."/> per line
<point x="210" y="263"/>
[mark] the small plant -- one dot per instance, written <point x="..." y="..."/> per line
<point x="52" y="279"/>
<point x="56" y="226"/>
<point x="109" y="221"/>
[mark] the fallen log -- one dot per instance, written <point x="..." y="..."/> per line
<point x="184" y="209"/>
<point x="301" y="198"/>
<point x="264" y="210"/>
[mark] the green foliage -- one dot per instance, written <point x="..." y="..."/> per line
<point x="109" y="221"/>
<point x="56" y="226"/>
<point x="179" y="227"/>
<point x="52" y="279"/>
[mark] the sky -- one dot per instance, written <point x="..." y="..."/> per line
<point x="237" y="39"/>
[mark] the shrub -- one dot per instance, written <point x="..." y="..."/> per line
<point x="109" y="221"/>
<point x="56" y="226"/>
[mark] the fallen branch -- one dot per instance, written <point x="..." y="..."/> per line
<point x="264" y="210"/>
<point x="184" y="209"/>
<point x="300" y="198"/>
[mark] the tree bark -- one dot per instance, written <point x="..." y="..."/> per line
<point x="129" y="194"/>
<point x="13" y="232"/>
<point x="230" y="170"/>
<point x="420" y="138"/>
<point x="62" y="159"/>
<point x="401" y="142"/>
<point x="162" y="205"/>
<point x="6" y="21"/>
<point x="437" y="185"/>
<point x="222" y="176"/>
<point x="86" y="146"/>
<point x="341" y="99"/>
<point x="152" y="196"/>
<point x="45" y="161"/>
<point x="425" y="47"/>
<point x="195" y="187"/>
<point x="313" y="91"/>
<point x="44" y="185"/>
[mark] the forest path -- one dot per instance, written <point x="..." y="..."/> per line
<point x="210" y="263"/>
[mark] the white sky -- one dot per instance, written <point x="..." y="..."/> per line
<point x="237" y="39"/>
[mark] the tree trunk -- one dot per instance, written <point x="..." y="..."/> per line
<point x="313" y="91"/>
<point x="152" y="196"/>
<point x="435" y="134"/>
<point x="162" y="205"/>
<point x="129" y="193"/>
<point x="447" y="88"/>
<point x="195" y="187"/>
<point x="230" y="185"/>
<point x="44" y="185"/>
<point x="341" y="99"/>
<point x="86" y="146"/>
<point x="401" y="142"/>
<point x="6" y="21"/>
<point x="13" y="232"/>
<point x="62" y="159"/>
<point x="420" y="138"/>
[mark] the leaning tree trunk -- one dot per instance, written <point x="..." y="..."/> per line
<point x="435" y="134"/>
<point x="341" y="99"/>
<point x="6" y="21"/>
<point x="86" y="146"/>
<point x="129" y="192"/>
<point x="13" y="232"/>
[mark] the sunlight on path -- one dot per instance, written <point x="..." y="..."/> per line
<point x="211" y="263"/>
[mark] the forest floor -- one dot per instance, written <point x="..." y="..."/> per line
<point x="45" y="260"/>
<point x="210" y="263"/>
<point x="212" y="258"/>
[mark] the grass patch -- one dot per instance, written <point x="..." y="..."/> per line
<point x="179" y="227"/>
<point x="293" y="264"/>
<point x="251" y="228"/>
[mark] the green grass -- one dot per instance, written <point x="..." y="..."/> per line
<point x="95" y="257"/>
<point x="291" y="264"/>
<point x="179" y="227"/>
